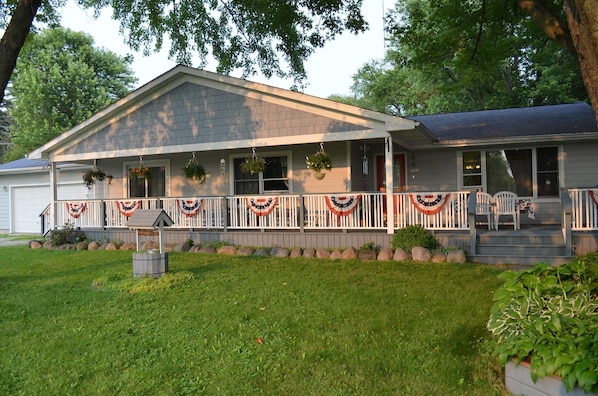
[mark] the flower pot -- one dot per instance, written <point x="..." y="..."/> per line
<point x="319" y="175"/>
<point x="518" y="381"/>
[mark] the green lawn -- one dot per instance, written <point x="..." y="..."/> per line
<point x="78" y="323"/>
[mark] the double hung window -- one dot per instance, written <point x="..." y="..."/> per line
<point x="274" y="178"/>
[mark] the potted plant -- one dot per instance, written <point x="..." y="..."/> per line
<point x="253" y="165"/>
<point x="193" y="170"/>
<point x="317" y="162"/>
<point x="547" y="317"/>
<point x="93" y="175"/>
<point x="142" y="172"/>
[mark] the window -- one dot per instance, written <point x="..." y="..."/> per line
<point x="527" y="172"/>
<point x="274" y="178"/>
<point x="152" y="186"/>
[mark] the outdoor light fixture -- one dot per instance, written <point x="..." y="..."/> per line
<point x="109" y="179"/>
<point x="222" y="166"/>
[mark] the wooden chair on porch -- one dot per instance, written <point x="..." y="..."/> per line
<point x="506" y="205"/>
<point x="484" y="206"/>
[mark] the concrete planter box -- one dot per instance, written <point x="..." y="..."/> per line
<point x="519" y="382"/>
<point x="150" y="264"/>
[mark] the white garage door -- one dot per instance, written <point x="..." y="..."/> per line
<point x="27" y="203"/>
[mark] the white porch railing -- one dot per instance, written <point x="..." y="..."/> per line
<point x="195" y="212"/>
<point x="263" y="212"/>
<point x="347" y="211"/>
<point x="433" y="211"/>
<point x="584" y="202"/>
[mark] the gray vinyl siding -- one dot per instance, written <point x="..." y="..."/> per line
<point x="581" y="165"/>
<point x="192" y="114"/>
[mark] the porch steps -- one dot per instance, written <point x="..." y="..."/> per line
<point x="521" y="247"/>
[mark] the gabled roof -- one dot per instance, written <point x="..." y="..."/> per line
<point x="575" y="121"/>
<point x="24" y="164"/>
<point x="367" y="124"/>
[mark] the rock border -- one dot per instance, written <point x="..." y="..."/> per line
<point x="417" y="254"/>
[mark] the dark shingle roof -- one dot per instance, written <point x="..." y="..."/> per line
<point x="525" y="121"/>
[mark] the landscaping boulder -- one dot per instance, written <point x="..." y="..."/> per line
<point x="350" y="253"/>
<point x="385" y="254"/>
<point x="401" y="255"/>
<point x="456" y="256"/>
<point x="438" y="257"/>
<point x="93" y="245"/>
<point x="228" y="250"/>
<point x="279" y="252"/>
<point x="207" y="249"/>
<point x="82" y="245"/>
<point x="309" y="252"/>
<point x="336" y="254"/>
<point x="420" y="253"/>
<point x="262" y="252"/>
<point x="322" y="253"/>
<point x="245" y="251"/>
<point x="366" y="255"/>
<point x="111" y="246"/>
<point x="296" y="252"/>
<point x="35" y="245"/>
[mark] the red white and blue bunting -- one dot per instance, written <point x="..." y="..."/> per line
<point x="127" y="208"/>
<point x="189" y="206"/>
<point x="75" y="208"/>
<point x="262" y="206"/>
<point x="342" y="205"/>
<point x="429" y="203"/>
<point x="592" y="194"/>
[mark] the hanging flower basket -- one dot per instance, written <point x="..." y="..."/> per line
<point x="141" y="172"/>
<point x="318" y="162"/>
<point x="194" y="171"/>
<point x="93" y="175"/>
<point x="254" y="164"/>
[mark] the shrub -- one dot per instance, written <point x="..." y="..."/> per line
<point x="66" y="235"/>
<point x="413" y="235"/>
<point x="549" y="317"/>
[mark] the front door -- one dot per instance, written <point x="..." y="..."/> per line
<point x="398" y="168"/>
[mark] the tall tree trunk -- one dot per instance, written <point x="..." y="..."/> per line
<point x="582" y="17"/>
<point x="14" y="38"/>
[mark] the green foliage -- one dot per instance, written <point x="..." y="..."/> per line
<point x="59" y="81"/>
<point x="451" y="56"/>
<point x="413" y="235"/>
<point x="194" y="171"/>
<point x="253" y="165"/>
<point x="83" y="320"/>
<point x="549" y="316"/>
<point x="368" y="246"/>
<point x="93" y="175"/>
<point x="67" y="234"/>
<point x="318" y="161"/>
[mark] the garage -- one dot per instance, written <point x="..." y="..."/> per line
<point x="27" y="203"/>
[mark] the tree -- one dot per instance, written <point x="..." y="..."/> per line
<point x="59" y="81"/>
<point x="246" y="34"/>
<point x="447" y="56"/>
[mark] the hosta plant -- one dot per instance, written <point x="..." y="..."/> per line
<point x="549" y="317"/>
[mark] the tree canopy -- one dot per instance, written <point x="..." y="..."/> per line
<point x="271" y="36"/>
<point x="447" y="56"/>
<point x="60" y="80"/>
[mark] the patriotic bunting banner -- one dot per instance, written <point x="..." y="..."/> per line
<point x="128" y="207"/>
<point x="76" y="208"/>
<point x="593" y="196"/>
<point x="342" y="205"/>
<point x="429" y="203"/>
<point x="189" y="206"/>
<point x="262" y="206"/>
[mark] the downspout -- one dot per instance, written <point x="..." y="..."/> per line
<point x="54" y="198"/>
<point x="388" y="162"/>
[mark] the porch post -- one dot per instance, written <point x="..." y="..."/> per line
<point x="388" y="162"/>
<point x="54" y="197"/>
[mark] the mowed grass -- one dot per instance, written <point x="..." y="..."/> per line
<point x="78" y="323"/>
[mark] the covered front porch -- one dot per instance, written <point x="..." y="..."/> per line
<point x="340" y="220"/>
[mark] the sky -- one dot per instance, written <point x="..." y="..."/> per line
<point x="329" y="69"/>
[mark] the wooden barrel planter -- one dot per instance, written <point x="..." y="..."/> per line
<point x="150" y="264"/>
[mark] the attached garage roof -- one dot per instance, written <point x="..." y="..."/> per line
<point x="566" y="119"/>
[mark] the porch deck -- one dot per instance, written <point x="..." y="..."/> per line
<point x="341" y="220"/>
